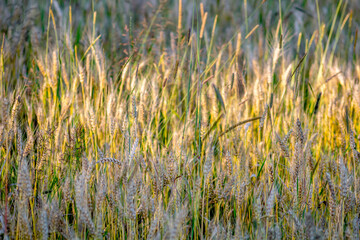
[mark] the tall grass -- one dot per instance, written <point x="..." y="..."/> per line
<point x="179" y="120"/>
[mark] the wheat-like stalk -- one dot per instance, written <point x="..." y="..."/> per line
<point x="161" y="120"/>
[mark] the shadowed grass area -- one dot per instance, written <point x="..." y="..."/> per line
<point x="179" y="119"/>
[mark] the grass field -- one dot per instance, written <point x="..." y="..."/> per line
<point x="179" y="119"/>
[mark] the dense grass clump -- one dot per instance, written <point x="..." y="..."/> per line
<point x="179" y="119"/>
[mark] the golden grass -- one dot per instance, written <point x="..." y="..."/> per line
<point x="119" y="121"/>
